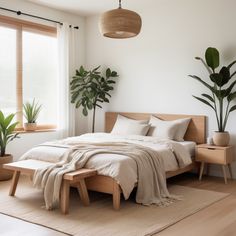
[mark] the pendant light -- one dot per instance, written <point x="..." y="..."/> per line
<point x="120" y="23"/>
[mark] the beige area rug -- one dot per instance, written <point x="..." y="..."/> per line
<point x="99" y="218"/>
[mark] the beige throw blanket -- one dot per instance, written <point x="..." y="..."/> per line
<point x="151" y="187"/>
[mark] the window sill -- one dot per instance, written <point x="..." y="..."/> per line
<point x="36" y="131"/>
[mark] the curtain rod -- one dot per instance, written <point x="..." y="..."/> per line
<point x="34" y="16"/>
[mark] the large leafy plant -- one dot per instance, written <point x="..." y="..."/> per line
<point x="90" y="88"/>
<point x="31" y="111"/>
<point x="7" y="134"/>
<point x="221" y="96"/>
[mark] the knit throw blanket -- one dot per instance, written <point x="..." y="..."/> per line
<point x="151" y="186"/>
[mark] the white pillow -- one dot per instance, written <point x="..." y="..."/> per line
<point x="126" y="126"/>
<point x="175" y="129"/>
<point x="182" y="128"/>
<point x="162" y="129"/>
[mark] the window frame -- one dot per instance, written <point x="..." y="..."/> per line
<point x="20" y="26"/>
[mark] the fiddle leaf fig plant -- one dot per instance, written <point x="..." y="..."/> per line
<point x="221" y="95"/>
<point x="90" y="88"/>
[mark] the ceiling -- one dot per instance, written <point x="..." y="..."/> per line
<point x="85" y="7"/>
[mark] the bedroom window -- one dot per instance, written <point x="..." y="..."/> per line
<point x="28" y="69"/>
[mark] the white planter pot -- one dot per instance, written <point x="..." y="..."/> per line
<point x="30" y="126"/>
<point x="221" y="138"/>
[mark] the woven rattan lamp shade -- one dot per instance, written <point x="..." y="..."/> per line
<point x="120" y="23"/>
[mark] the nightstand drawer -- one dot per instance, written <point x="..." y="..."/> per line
<point x="211" y="155"/>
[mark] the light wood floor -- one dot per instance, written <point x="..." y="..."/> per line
<point x="218" y="219"/>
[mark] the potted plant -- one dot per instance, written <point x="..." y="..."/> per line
<point x="31" y="113"/>
<point x="220" y="96"/>
<point x="90" y="88"/>
<point x="7" y="134"/>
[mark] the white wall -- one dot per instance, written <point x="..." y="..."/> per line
<point x="153" y="67"/>
<point x="26" y="141"/>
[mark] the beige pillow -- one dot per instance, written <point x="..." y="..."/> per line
<point x="126" y="126"/>
<point x="162" y="129"/>
<point x="175" y="129"/>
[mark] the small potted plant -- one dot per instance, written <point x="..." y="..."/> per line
<point x="31" y="113"/>
<point x="7" y="134"/>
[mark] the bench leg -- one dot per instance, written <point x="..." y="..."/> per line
<point x="116" y="196"/>
<point x="65" y="196"/>
<point x="83" y="192"/>
<point x="14" y="183"/>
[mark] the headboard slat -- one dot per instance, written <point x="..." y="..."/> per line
<point x="196" y="130"/>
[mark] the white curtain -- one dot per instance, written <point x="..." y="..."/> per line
<point x="67" y="50"/>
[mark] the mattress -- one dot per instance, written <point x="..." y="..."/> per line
<point x="120" y="167"/>
<point x="190" y="146"/>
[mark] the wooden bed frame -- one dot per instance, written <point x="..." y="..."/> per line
<point x="196" y="132"/>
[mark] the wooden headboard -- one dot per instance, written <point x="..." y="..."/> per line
<point x="196" y="130"/>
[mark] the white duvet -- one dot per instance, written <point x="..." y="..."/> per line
<point x="122" y="168"/>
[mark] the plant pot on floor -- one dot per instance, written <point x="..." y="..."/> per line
<point x="30" y="126"/>
<point x="5" y="174"/>
<point x="221" y="138"/>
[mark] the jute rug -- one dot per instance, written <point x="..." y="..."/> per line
<point x="99" y="218"/>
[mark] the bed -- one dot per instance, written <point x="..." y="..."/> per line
<point x="195" y="133"/>
<point x="117" y="172"/>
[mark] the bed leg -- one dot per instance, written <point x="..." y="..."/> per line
<point x="116" y="196"/>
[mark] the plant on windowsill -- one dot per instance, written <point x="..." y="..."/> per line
<point x="7" y="135"/>
<point x="221" y="96"/>
<point x="90" y="88"/>
<point x="31" y="113"/>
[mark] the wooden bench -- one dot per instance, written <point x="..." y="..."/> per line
<point x="77" y="178"/>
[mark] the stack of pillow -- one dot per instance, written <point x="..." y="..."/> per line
<point x="155" y="127"/>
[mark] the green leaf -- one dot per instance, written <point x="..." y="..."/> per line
<point x="114" y="74"/>
<point x="233" y="108"/>
<point x="108" y="72"/>
<point x="106" y="100"/>
<point x="208" y="97"/>
<point x="203" y="82"/>
<point x="85" y="111"/>
<point x="90" y="105"/>
<point x="231" y="96"/>
<point x="225" y="73"/>
<point x="231" y="64"/>
<point x="229" y="89"/>
<point x="98" y="106"/>
<point x="217" y="78"/>
<point x="78" y="104"/>
<point x="81" y="70"/>
<point x="233" y="74"/>
<point x="95" y="69"/>
<point x="111" y="82"/>
<point x="212" y="58"/>
<point x="204" y="101"/>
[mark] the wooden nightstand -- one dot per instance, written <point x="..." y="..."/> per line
<point x="215" y="155"/>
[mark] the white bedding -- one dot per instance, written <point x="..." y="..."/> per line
<point x="113" y="165"/>
<point x="190" y="146"/>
